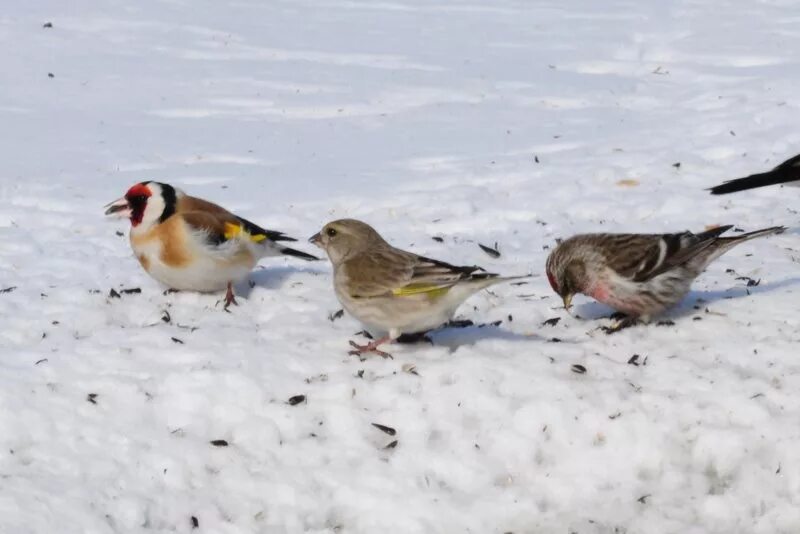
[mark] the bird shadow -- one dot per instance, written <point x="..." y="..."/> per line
<point x="270" y="278"/>
<point x="459" y="333"/>
<point x="695" y="298"/>
<point x="593" y="311"/>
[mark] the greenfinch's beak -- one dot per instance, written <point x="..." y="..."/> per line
<point x="315" y="239"/>
<point x="567" y="301"/>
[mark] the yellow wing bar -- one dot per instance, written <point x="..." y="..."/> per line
<point x="235" y="230"/>
<point x="418" y="289"/>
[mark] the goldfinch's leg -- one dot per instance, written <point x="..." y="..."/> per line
<point x="372" y="346"/>
<point x="229" y="298"/>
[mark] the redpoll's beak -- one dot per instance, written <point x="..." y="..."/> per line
<point x="119" y="208"/>
<point x="316" y="239"/>
<point x="567" y="301"/>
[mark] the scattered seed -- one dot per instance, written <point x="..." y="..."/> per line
<point x="510" y="318"/>
<point x="438" y="239"/>
<point x="493" y="252"/>
<point x="536" y="159"/>
<point x="677" y="165"/>
<point x="176" y="340"/>
<point x="120" y="234"/>
<point x="336" y="315"/>
<point x="578" y="368"/>
<point x="757" y="395"/>
<point x="391" y="445"/>
<point x="130" y="291"/>
<point x="166" y="317"/>
<point x="643" y="498"/>
<point x="552" y="321"/>
<point x="518" y="283"/>
<point x="51" y="75"/>
<point x="554" y="340"/>
<point x="419" y="337"/>
<point x="41" y="361"/>
<point x="92" y="397"/>
<point x="665" y="323"/>
<point x="219" y="442"/>
<point x="113" y="294"/>
<point x="778" y="471"/>
<point x="364" y="333"/>
<point x="386" y="429"/>
<point x="195" y="522"/>
<point x="460" y="323"/>
<point x="634" y="360"/>
<point x="297" y="399"/>
<point x="409" y="368"/>
<point x="8" y="289"/>
<point x="47" y="25"/>
<point x="614" y="415"/>
<point x="360" y="373"/>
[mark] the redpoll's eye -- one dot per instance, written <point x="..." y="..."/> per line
<point x="331" y="232"/>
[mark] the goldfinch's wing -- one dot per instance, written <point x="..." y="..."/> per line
<point x="385" y="272"/>
<point x="215" y="228"/>
<point x="193" y="206"/>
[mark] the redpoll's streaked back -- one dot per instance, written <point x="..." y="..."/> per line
<point x="640" y="275"/>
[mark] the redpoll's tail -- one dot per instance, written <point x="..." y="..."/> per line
<point x="788" y="171"/>
<point x="741" y="238"/>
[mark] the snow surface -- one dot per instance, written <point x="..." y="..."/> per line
<point x="513" y="122"/>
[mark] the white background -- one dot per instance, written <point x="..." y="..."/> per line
<point x="424" y="120"/>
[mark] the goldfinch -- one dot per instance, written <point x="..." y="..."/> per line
<point x="640" y="275"/>
<point x="187" y="243"/>
<point x="787" y="172"/>
<point x="391" y="291"/>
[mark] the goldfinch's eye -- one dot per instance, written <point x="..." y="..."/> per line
<point x="331" y="232"/>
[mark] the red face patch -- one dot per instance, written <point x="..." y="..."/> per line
<point x="552" y="280"/>
<point x="137" y="200"/>
<point x="138" y="190"/>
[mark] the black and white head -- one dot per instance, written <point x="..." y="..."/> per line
<point x="145" y="204"/>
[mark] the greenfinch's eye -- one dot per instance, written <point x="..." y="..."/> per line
<point x="331" y="232"/>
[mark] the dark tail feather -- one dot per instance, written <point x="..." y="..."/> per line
<point x="298" y="254"/>
<point x="788" y="171"/>
<point x="757" y="233"/>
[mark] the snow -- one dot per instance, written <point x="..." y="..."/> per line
<point x="511" y="122"/>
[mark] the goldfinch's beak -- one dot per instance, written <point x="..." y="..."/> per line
<point x="567" y="301"/>
<point x="315" y="239"/>
<point x="119" y="208"/>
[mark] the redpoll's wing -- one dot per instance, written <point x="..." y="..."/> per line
<point x="642" y="257"/>
<point x="788" y="171"/>
<point x="385" y="271"/>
